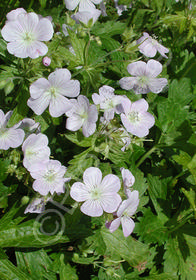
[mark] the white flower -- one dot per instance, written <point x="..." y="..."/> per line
<point x="49" y="177"/>
<point x="52" y="92"/>
<point x="35" y="149"/>
<point x="85" y="16"/>
<point x="149" y="46"/>
<point x="98" y="195"/>
<point x="9" y="137"/>
<point x="25" y="33"/>
<point x="84" y="5"/>
<point x="127" y="209"/>
<point x="135" y="118"/>
<point x="109" y="102"/>
<point x="144" y="79"/>
<point x="82" y="115"/>
<point x="37" y="205"/>
<point x="29" y="126"/>
<point x="128" y="178"/>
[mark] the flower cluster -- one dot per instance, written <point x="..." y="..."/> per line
<point x="48" y="174"/>
<point x="25" y="33"/>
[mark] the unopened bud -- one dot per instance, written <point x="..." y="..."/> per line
<point x="24" y="200"/>
<point x="46" y="61"/>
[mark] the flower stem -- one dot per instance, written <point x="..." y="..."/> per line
<point x="145" y="156"/>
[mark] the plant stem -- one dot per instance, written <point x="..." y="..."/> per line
<point x="142" y="159"/>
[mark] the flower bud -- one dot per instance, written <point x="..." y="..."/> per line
<point x="24" y="200"/>
<point x="46" y="61"/>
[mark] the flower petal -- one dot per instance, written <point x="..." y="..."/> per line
<point x="71" y="4"/>
<point x="140" y="105"/>
<point x="40" y="104"/>
<point x="18" y="49"/>
<point x="37" y="49"/>
<point x="88" y="128"/>
<point x="70" y="88"/>
<point x="137" y="68"/>
<point x="59" y="105"/>
<point x="153" y="68"/>
<point x="128" y="83"/>
<point x="59" y="77"/>
<point x="41" y="186"/>
<point x="39" y="87"/>
<point x="79" y="192"/>
<point x="110" y="183"/>
<point x="127" y="226"/>
<point x="110" y="202"/>
<point x="92" y="177"/>
<point x="114" y="224"/>
<point x="92" y="113"/>
<point x="92" y="208"/>
<point x="74" y="123"/>
<point x="11" y="138"/>
<point x="147" y="48"/>
<point x="156" y="85"/>
<point x="44" y="30"/>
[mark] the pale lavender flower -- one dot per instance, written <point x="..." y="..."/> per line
<point x="25" y="33"/>
<point x="52" y="93"/>
<point x="85" y="16"/>
<point x="35" y="149"/>
<point x="108" y="102"/>
<point x="49" y="177"/>
<point x="84" y="5"/>
<point x="29" y="126"/>
<point x="149" y="46"/>
<point x="82" y="115"/>
<point x="9" y="137"/>
<point x="98" y="195"/>
<point x="37" y="205"/>
<point x="144" y="79"/>
<point x="46" y="61"/>
<point x="126" y="209"/>
<point x="128" y="179"/>
<point x="135" y="118"/>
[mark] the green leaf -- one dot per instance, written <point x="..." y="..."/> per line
<point x="158" y="193"/>
<point x="66" y="271"/>
<point x="109" y="28"/>
<point x="78" y="46"/>
<point x="151" y="228"/>
<point x="131" y="250"/>
<point x="79" y="139"/>
<point x="28" y="235"/>
<point x="36" y="263"/>
<point x="11" y="272"/>
<point x="180" y="256"/>
<point x="4" y="164"/>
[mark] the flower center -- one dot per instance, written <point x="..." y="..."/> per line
<point x="28" y="37"/>
<point x="50" y="176"/>
<point x="96" y="194"/>
<point x="53" y="91"/>
<point x="134" y="117"/>
<point x="3" y="133"/>
<point x="143" y="80"/>
<point x="84" y="115"/>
